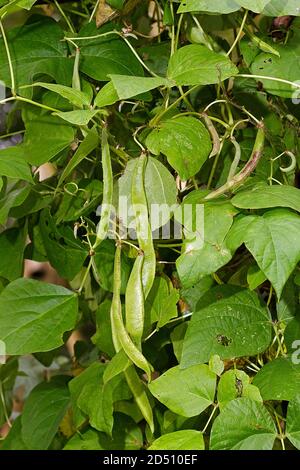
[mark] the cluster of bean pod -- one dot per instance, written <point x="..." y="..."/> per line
<point x="127" y="336"/>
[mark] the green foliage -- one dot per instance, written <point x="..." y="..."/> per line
<point x="183" y="143"/>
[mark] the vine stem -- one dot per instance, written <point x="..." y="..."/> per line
<point x="27" y="100"/>
<point x="273" y="79"/>
<point x="238" y="37"/>
<point x="4" y="406"/>
<point x="94" y="11"/>
<point x="280" y="435"/>
<point x="11" y="70"/>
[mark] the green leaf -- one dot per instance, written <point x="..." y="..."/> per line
<point x="43" y="412"/>
<point x="244" y="424"/>
<point x="106" y="96"/>
<point x="205" y="250"/>
<point x="216" y="364"/>
<point x="228" y="321"/>
<point x="103" y="336"/>
<point x="284" y="67"/>
<point x="254" y="5"/>
<point x="180" y="440"/>
<point x="13" y="164"/>
<point x="80" y="117"/>
<point x="197" y="65"/>
<point x="35" y="315"/>
<point x="161" y="303"/>
<point x="45" y="137"/>
<point x="76" y="97"/>
<point x="263" y="196"/>
<point x="65" y="253"/>
<point x="88" y="144"/>
<point x="279" y="8"/>
<point x="275" y="250"/>
<point x="126" y="436"/>
<point x="255" y="277"/>
<point x="106" y="55"/>
<point x="293" y="422"/>
<point x="12" y="246"/>
<point x="32" y="55"/>
<point x="95" y="399"/>
<point x="128" y="86"/>
<point x="116" y="366"/>
<point x="104" y="266"/>
<point x="185" y="141"/>
<point x="235" y="384"/>
<point x="214" y="6"/>
<point x="279" y="379"/>
<point x="186" y="392"/>
<point x="15" y="197"/>
<point x="160" y="188"/>
<point x="8" y="375"/>
<point x="14" y="440"/>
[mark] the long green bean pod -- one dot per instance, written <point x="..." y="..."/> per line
<point x="119" y="332"/>
<point x="134" y="383"/>
<point x="143" y="229"/>
<point x="134" y="302"/>
<point x="103" y="225"/>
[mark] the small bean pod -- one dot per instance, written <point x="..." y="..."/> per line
<point x="134" y="302"/>
<point x="103" y="225"/>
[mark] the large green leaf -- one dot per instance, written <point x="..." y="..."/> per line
<point x="13" y="164"/>
<point x="254" y="5"/>
<point x="160" y="188"/>
<point x="45" y="137"/>
<point x="43" y="412"/>
<point x="206" y="251"/>
<point x="34" y="316"/>
<point x="197" y="65"/>
<point x="284" y="67"/>
<point x="185" y="392"/>
<point x="264" y="196"/>
<point x="279" y="379"/>
<point x="32" y="55"/>
<point x="293" y="421"/>
<point x="185" y="141"/>
<point x="14" y="198"/>
<point x="229" y="321"/>
<point x="14" y="440"/>
<point x="244" y="424"/>
<point x="214" y="6"/>
<point x="12" y="246"/>
<point x="273" y="239"/>
<point x="106" y="55"/>
<point x="189" y="439"/>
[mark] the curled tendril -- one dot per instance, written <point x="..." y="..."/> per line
<point x="293" y="164"/>
<point x="68" y="191"/>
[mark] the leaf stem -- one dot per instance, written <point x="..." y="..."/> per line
<point x="11" y="70"/>
<point x="158" y="117"/>
<point x="215" y="407"/>
<point x="67" y="20"/>
<point x="238" y="37"/>
<point x="264" y="77"/>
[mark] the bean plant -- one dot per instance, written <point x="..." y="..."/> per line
<point x="170" y="208"/>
